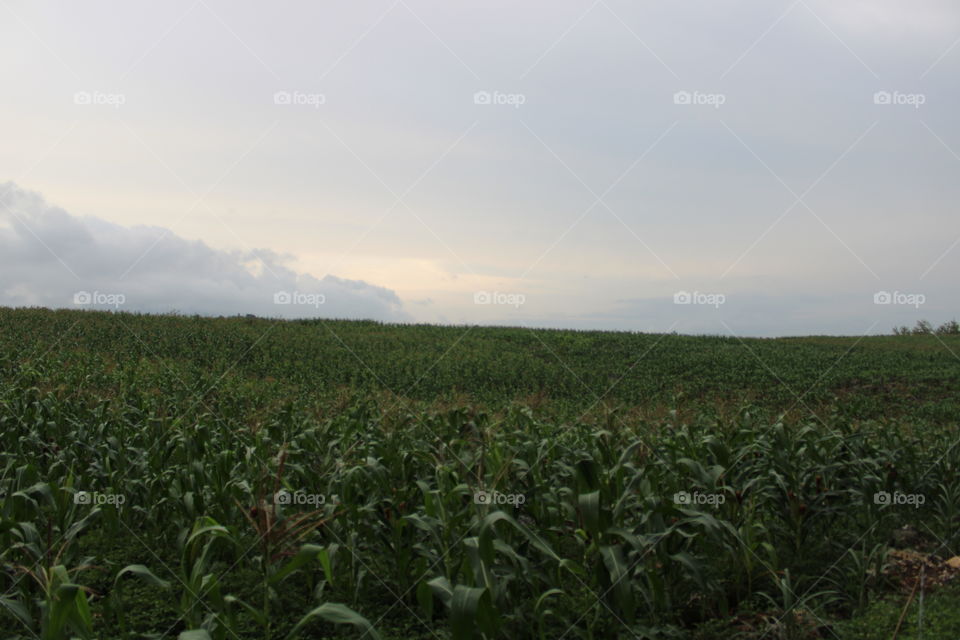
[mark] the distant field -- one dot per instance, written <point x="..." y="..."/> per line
<point x="568" y="371"/>
<point x="169" y="476"/>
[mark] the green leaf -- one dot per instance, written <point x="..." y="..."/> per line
<point x="144" y="574"/>
<point x="307" y="553"/>
<point x="38" y="489"/>
<point x="327" y="564"/>
<point x="693" y="567"/>
<point x="256" y="613"/>
<point x="194" y="634"/>
<point x="337" y="614"/>
<point x="471" y="608"/>
<point x="69" y="609"/>
<point x="19" y="611"/>
<point x="425" y="598"/>
<point x="443" y="589"/>
<point x="542" y="600"/>
<point x="81" y="611"/>
<point x="588" y="474"/>
<point x="216" y="530"/>
<point x="487" y="532"/>
<point x="589" y="504"/>
<point x="616" y="563"/>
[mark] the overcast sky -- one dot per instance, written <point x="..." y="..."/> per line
<point x="759" y="167"/>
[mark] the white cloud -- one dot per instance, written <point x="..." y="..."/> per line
<point x="48" y="257"/>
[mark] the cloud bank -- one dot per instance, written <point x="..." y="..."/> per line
<point x="51" y="258"/>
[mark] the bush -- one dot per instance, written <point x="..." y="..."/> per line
<point x="923" y="327"/>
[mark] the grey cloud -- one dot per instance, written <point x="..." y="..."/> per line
<point x="49" y="257"/>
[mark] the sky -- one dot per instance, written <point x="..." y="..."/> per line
<point x="755" y="167"/>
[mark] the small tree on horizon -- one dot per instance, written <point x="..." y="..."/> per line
<point x="923" y="327"/>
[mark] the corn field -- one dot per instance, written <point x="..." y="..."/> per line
<point x="167" y="477"/>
